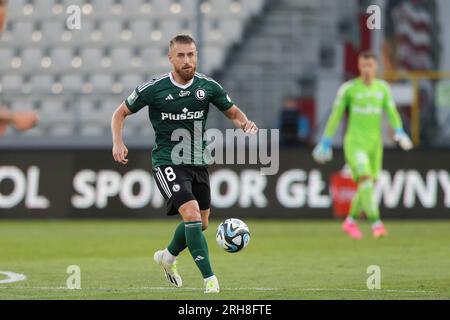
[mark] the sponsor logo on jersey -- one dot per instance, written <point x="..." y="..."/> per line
<point x="200" y="94"/>
<point x="186" y="115"/>
<point x="184" y="93"/>
<point x="169" y="97"/>
<point x="366" y="110"/>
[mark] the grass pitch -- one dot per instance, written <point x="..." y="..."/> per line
<point x="284" y="260"/>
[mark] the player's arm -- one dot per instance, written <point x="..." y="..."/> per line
<point x="337" y="111"/>
<point x="3" y="4"/>
<point x="323" y="152"/>
<point x="395" y="121"/>
<point x="119" y="150"/>
<point x="240" y="120"/>
<point x="135" y="102"/>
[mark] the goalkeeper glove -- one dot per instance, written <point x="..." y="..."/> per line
<point x="322" y="152"/>
<point x="403" y="140"/>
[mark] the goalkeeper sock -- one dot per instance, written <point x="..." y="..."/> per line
<point x="198" y="247"/>
<point x="368" y="202"/>
<point x="355" y="207"/>
<point x="178" y="242"/>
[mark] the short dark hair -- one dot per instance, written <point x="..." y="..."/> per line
<point x="181" y="38"/>
<point x="368" y="54"/>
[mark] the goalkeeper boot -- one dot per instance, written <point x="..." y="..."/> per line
<point x="379" y="230"/>
<point x="352" y="229"/>
<point x="170" y="269"/>
<point x="212" y="285"/>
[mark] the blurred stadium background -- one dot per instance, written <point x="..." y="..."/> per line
<point x="281" y="62"/>
<point x="264" y="52"/>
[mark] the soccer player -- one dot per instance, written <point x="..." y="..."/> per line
<point x="365" y="98"/>
<point x="179" y="100"/>
<point x="21" y="120"/>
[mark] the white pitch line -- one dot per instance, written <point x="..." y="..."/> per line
<point x="225" y="289"/>
<point x="139" y="288"/>
<point x="12" y="277"/>
<point x="367" y="290"/>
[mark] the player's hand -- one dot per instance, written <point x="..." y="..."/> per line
<point x="24" y="120"/>
<point x="403" y="140"/>
<point x="249" y="127"/>
<point x="4" y="119"/>
<point x="120" y="153"/>
<point x="322" y="152"/>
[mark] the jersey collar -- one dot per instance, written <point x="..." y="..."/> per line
<point x="181" y="86"/>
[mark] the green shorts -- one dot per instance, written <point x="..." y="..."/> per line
<point x="364" y="159"/>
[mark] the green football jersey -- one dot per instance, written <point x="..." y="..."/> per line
<point x="178" y="114"/>
<point x="365" y="105"/>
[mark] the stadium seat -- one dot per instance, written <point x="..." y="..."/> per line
<point x="161" y="7"/>
<point x="152" y="56"/>
<point x="169" y="29"/>
<point x="141" y="30"/>
<point x="121" y="58"/>
<point x="213" y="57"/>
<point x="102" y="83"/>
<point x="12" y="83"/>
<point x="130" y="82"/>
<point x="132" y="7"/>
<point x="72" y="83"/>
<point x="61" y="58"/>
<point x="57" y="117"/>
<point x="52" y="31"/>
<point x="22" y="31"/>
<point x="6" y="56"/>
<point x="15" y="8"/>
<point x="118" y="47"/>
<point x="91" y="58"/>
<point x="111" y="30"/>
<point x="101" y="8"/>
<point x="31" y="58"/>
<point x="42" y="83"/>
<point x="91" y="118"/>
<point x="42" y="8"/>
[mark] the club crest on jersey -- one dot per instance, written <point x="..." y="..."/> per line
<point x="200" y="94"/>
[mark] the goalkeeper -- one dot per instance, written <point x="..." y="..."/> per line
<point x="365" y="98"/>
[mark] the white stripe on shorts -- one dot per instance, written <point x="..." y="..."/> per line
<point x="163" y="183"/>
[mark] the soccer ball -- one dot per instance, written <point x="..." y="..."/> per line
<point x="232" y="235"/>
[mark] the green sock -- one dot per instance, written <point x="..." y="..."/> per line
<point x="178" y="242"/>
<point x="368" y="202"/>
<point x="198" y="248"/>
<point x="355" y="207"/>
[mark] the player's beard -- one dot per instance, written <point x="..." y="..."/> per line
<point x="186" y="74"/>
